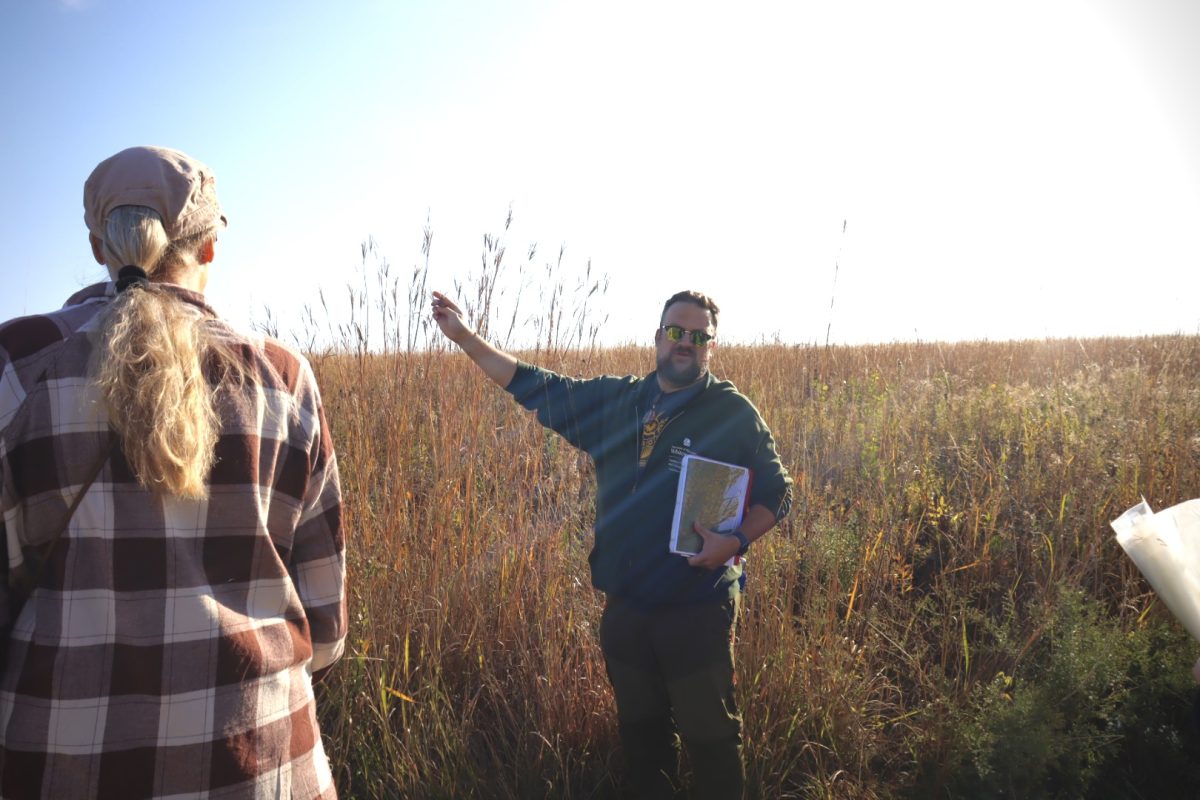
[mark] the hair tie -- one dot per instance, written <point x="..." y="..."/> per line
<point x="132" y="276"/>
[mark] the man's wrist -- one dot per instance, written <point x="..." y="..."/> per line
<point x="743" y="542"/>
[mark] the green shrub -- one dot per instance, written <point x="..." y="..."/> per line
<point x="1093" y="711"/>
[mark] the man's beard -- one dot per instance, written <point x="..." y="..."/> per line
<point x="679" y="376"/>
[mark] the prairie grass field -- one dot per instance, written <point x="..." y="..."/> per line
<point x="945" y="613"/>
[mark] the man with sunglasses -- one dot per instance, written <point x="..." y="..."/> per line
<point x="668" y="623"/>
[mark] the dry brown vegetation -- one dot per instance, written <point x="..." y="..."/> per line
<point x="944" y="614"/>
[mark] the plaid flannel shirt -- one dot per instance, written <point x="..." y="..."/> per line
<point x="169" y="648"/>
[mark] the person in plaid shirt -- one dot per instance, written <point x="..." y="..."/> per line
<point x="171" y="642"/>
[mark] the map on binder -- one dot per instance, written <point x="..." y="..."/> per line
<point x="712" y="493"/>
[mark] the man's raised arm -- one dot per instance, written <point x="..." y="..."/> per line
<point x="495" y="363"/>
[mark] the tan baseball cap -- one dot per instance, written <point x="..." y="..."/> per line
<point x="181" y="189"/>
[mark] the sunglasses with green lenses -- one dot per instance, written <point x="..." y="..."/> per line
<point x="676" y="333"/>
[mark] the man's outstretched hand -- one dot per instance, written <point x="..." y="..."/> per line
<point x="498" y="365"/>
<point x="449" y="318"/>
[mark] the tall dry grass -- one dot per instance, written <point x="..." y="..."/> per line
<point x="948" y="559"/>
<point x="944" y="614"/>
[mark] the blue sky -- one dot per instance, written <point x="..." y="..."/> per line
<point x="1002" y="170"/>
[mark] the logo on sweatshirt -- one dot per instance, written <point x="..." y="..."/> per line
<point x="678" y="451"/>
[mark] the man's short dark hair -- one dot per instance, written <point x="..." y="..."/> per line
<point x="696" y="299"/>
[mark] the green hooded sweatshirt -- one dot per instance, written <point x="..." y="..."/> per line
<point x="602" y="416"/>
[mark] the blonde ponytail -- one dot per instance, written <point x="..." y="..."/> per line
<point x="151" y="361"/>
